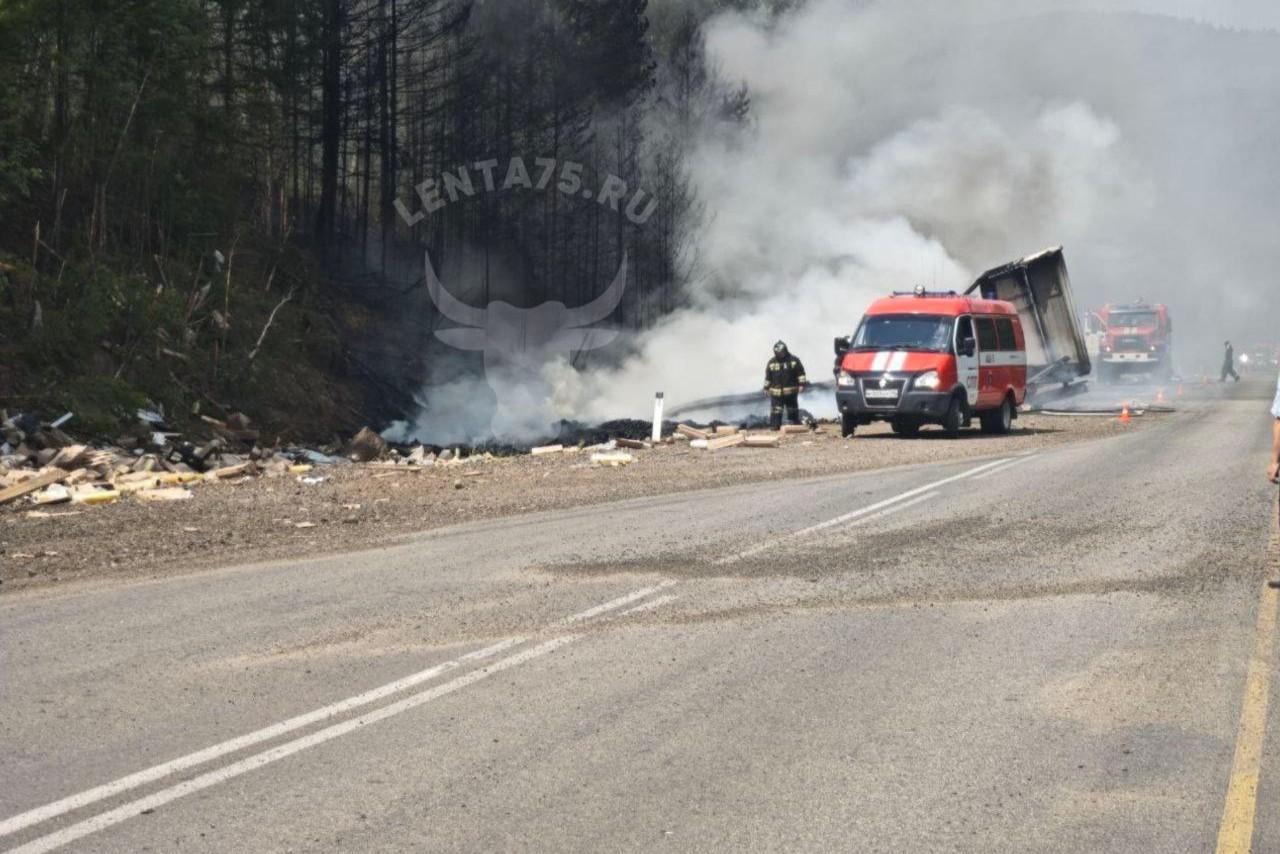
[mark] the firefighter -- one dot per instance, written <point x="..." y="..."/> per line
<point x="784" y="379"/>
<point x="1229" y="364"/>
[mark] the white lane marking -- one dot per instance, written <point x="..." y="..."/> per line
<point x="650" y="605"/>
<point x="614" y="604"/>
<point x="849" y="517"/>
<point x="258" y="760"/>
<point x="1004" y="468"/>
<point x="132" y="781"/>
<point x="919" y="499"/>
<point x="148" y="775"/>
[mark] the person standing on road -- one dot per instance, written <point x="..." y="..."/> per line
<point x="1229" y="364"/>
<point x="784" y="379"/>
<point x="1273" y="470"/>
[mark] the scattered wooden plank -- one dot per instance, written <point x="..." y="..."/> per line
<point x="169" y="493"/>
<point x="230" y="471"/>
<point x="692" y="432"/>
<point x="795" y="428"/>
<point x="634" y="444"/>
<point x="612" y="458"/>
<point x="725" y="441"/>
<point x="30" y="485"/>
<point x="766" y="441"/>
<point x="546" y="449"/>
<point x="92" y="495"/>
<point x="54" y="493"/>
<point x="127" y="487"/>
<point x="68" y="457"/>
<point x="136" y="477"/>
<point x="725" y="429"/>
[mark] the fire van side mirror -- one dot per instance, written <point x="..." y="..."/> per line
<point x="842" y="346"/>
<point x="968" y="348"/>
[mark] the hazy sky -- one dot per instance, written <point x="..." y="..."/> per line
<point x="1243" y="14"/>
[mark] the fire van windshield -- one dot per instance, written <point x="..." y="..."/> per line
<point x="1133" y="318"/>
<point x="905" y="332"/>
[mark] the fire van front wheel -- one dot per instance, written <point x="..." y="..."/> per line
<point x="954" y="420"/>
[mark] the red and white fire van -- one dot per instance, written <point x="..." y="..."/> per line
<point x="933" y="358"/>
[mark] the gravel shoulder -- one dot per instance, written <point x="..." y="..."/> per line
<point x="362" y="506"/>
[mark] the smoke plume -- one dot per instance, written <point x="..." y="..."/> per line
<point x="913" y="142"/>
<point x="906" y="143"/>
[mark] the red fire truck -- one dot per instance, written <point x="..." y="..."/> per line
<point x="1138" y="340"/>
<point x="920" y="358"/>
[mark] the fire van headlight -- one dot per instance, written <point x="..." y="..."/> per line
<point x="844" y="379"/>
<point x="928" y="381"/>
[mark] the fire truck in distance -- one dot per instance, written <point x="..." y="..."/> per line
<point x="1138" y="339"/>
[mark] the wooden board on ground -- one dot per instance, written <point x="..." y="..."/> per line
<point x="168" y="493"/>
<point x="725" y="442"/>
<point x="40" y="481"/>
<point x="692" y="432"/>
<point x="766" y="441"/>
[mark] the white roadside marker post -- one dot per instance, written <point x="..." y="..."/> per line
<point x="657" y="417"/>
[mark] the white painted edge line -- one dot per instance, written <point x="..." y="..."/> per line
<point x="850" y="516"/>
<point x="156" y="772"/>
<point x="650" y="605"/>
<point x="1004" y="468"/>
<point x="614" y="604"/>
<point x="148" y="775"/>
<point x="897" y="508"/>
<point x="258" y="760"/>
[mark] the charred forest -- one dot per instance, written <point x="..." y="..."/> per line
<point x="215" y="206"/>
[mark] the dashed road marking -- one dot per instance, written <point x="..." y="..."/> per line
<point x="258" y="760"/>
<point x="1004" y="468"/>
<point x="124" y="784"/>
<point x="855" y="514"/>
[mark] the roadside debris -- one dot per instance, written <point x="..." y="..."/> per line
<point x="153" y="461"/>
<point x="167" y="493"/>
<point x="366" y="446"/>
<point x="612" y="458"/>
<point x="726" y="441"/>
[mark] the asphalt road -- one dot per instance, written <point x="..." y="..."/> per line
<point x="1043" y="653"/>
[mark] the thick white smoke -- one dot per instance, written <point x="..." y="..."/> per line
<point x="903" y="142"/>
<point x="855" y="180"/>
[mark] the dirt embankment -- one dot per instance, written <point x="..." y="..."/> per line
<point x="357" y="506"/>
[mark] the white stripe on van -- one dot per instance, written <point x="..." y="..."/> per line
<point x="881" y="360"/>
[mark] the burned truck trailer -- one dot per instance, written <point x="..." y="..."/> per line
<point x="1040" y="289"/>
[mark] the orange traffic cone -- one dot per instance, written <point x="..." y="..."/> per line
<point x="1125" y="415"/>
<point x="1159" y="395"/>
